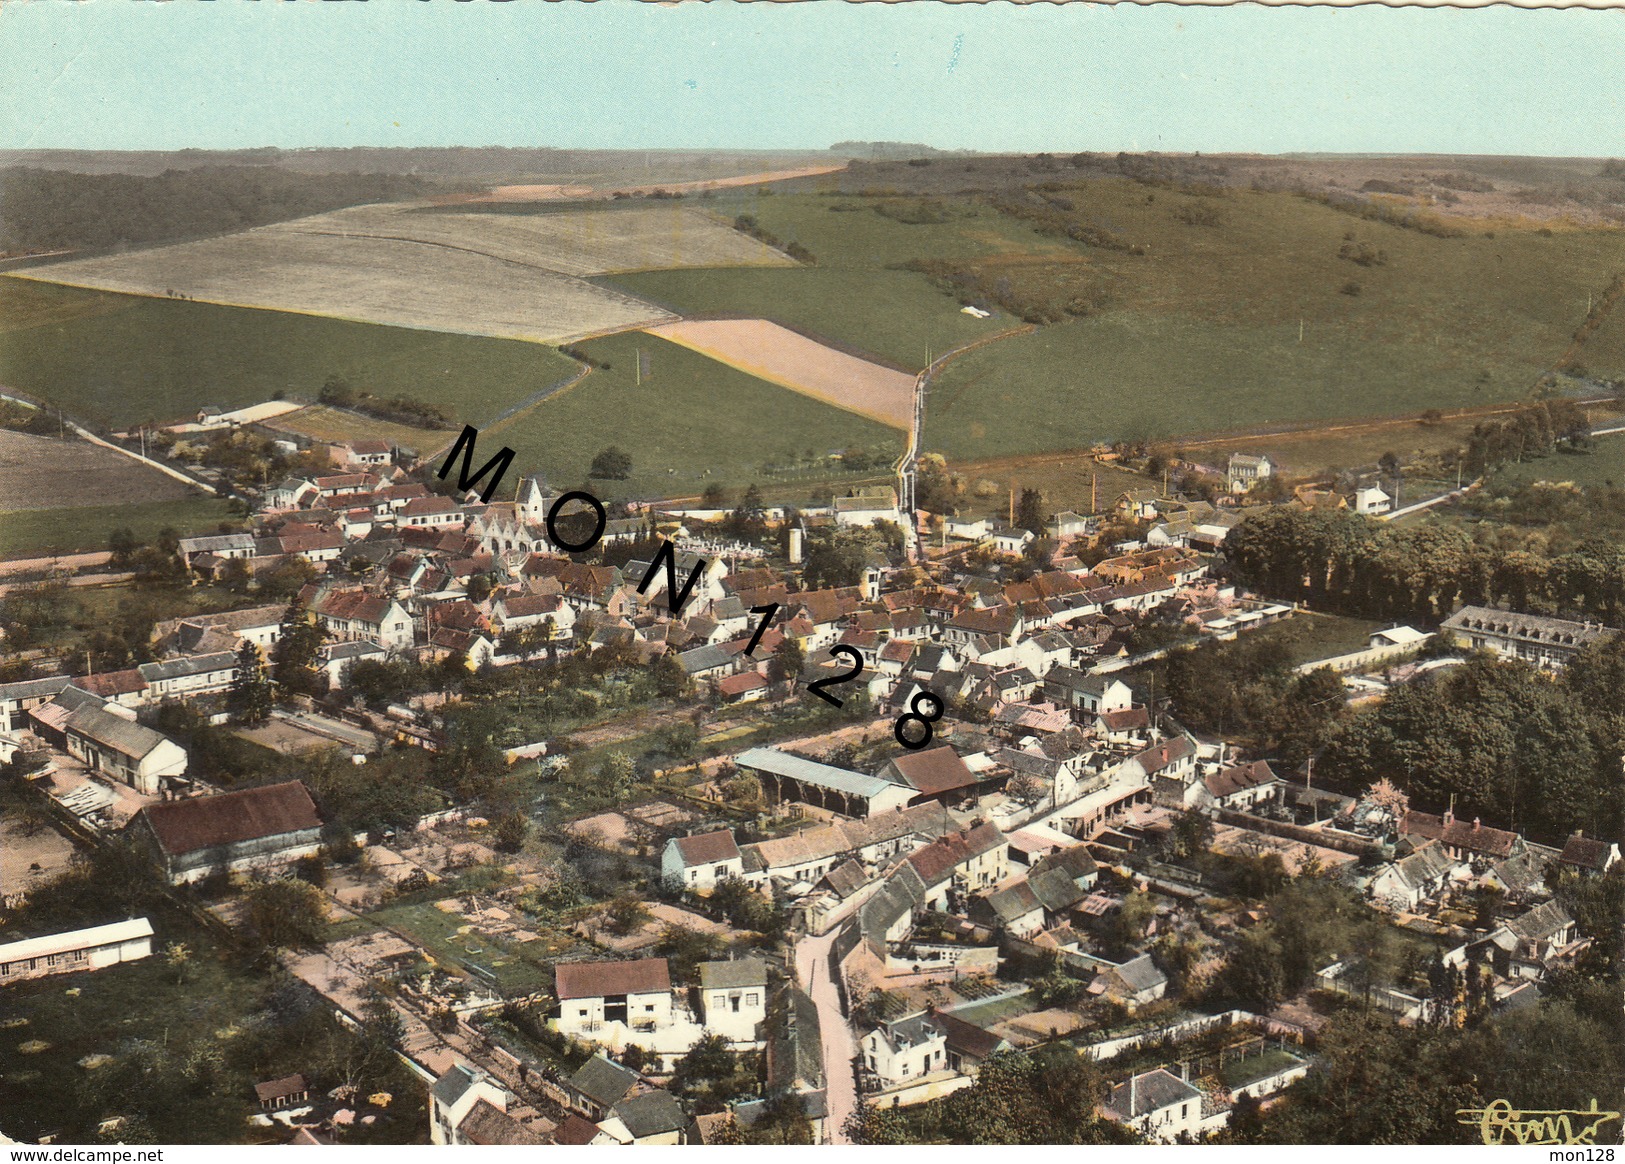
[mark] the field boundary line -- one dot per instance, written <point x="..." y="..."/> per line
<point x="512" y="413"/>
<point x="86" y="435"/>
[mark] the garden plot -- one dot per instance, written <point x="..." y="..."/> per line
<point x="398" y="282"/>
<point x="570" y="242"/>
<point x="791" y="360"/>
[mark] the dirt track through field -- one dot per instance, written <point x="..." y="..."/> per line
<point x="791" y="360"/>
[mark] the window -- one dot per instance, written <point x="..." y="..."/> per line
<point x="750" y="999"/>
<point x="649" y="1009"/>
<point x="582" y="1012"/>
<point x="1182" y="1108"/>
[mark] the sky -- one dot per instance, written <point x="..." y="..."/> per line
<point x="128" y="74"/>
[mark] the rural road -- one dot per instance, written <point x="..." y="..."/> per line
<point x="76" y="580"/>
<point x="841" y="1085"/>
<point x="60" y="562"/>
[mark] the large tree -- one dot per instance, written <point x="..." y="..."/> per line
<point x="250" y="696"/>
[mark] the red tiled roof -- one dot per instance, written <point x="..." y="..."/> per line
<point x="708" y="848"/>
<point x="575" y="1131"/>
<point x="1459" y="834"/>
<point x="112" y="683"/>
<point x="353" y="604"/>
<point x="741" y="683"/>
<point x="935" y="771"/>
<point x="1239" y="777"/>
<point x="603" y="979"/>
<point x="1157" y="757"/>
<point x="937" y="860"/>
<point x="185" y="826"/>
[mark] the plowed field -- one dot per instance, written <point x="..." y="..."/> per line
<point x="791" y="360"/>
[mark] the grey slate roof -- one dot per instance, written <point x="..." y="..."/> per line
<point x="451" y="1086"/>
<point x="651" y="1114"/>
<point x="190" y="665"/>
<point x="1152" y="1091"/>
<point x="603" y="1081"/>
<point x="1141" y="974"/>
<point x="739" y="972"/>
<point x="811" y="772"/>
<point x="702" y="659"/>
<point x="795" y="1052"/>
<point x="113" y="731"/>
<point x="33" y="688"/>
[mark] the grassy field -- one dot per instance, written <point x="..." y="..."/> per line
<point x="1202" y="332"/>
<point x="40" y="532"/>
<point x="516" y="971"/>
<point x="193" y="1046"/>
<point x="1603" y="466"/>
<point x="39" y="472"/>
<point x="871" y="311"/>
<point x="690" y="422"/>
<point x="124" y="359"/>
<point x="1308" y="636"/>
<point x="334" y="424"/>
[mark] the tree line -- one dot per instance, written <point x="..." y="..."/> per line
<point x="56" y="210"/>
<point x="1346" y="562"/>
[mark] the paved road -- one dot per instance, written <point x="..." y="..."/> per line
<point x="813" y="967"/>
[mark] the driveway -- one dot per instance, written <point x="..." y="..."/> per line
<point x="813" y="968"/>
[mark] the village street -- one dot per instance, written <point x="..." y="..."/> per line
<point x="813" y="968"/>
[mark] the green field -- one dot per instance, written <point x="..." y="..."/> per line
<point x="1199" y="333"/>
<point x="1237" y="312"/>
<point x="1604" y="466"/>
<point x="124" y="359"/>
<point x="185" y="1053"/>
<point x="515" y="970"/>
<point x="692" y="421"/>
<point x="855" y="295"/>
<point x="39" y="532"/>
<point x="1309" y="636"/>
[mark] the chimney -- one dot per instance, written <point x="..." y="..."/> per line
<point x="1477" y="824"/>
<point x="1132" y="1079"/>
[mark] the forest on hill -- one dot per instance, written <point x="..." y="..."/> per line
<point x="49" y="210"/>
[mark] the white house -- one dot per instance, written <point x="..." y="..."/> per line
<point x="1158" y="1104"/>
<point x="594" y="994"/>
<point x="699" y="862"/>
<point x="1246" y="471"/>
<point x="733" y="997"/>
<point x="354" y="614"/>
<point x="1370" y="499"/>
<point x="1405" y="884"/>
<point x="87" y="949"/>
<point x="468" y="1106"/>
<point x="869" y="506"/>
<point x="905" y="1049"/>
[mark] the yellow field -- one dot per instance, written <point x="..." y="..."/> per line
<point x="791" y="360"/>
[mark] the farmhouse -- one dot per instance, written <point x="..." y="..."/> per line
<point x="733" y="997"/>
<point x="257" y="828"/>
<point x="1159" y="1105"/>
<point x="18" y="699"/>
<point x="87" y="949"/>
<point x="348" y="615"/>
<point x="132" y="754"/>
<point x="191" y="675"/>
<point x="699" y="862"/>
<point x="592" y="994"/>
<point x="468" y="1106"/>
<point x="1246" y="471"/>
